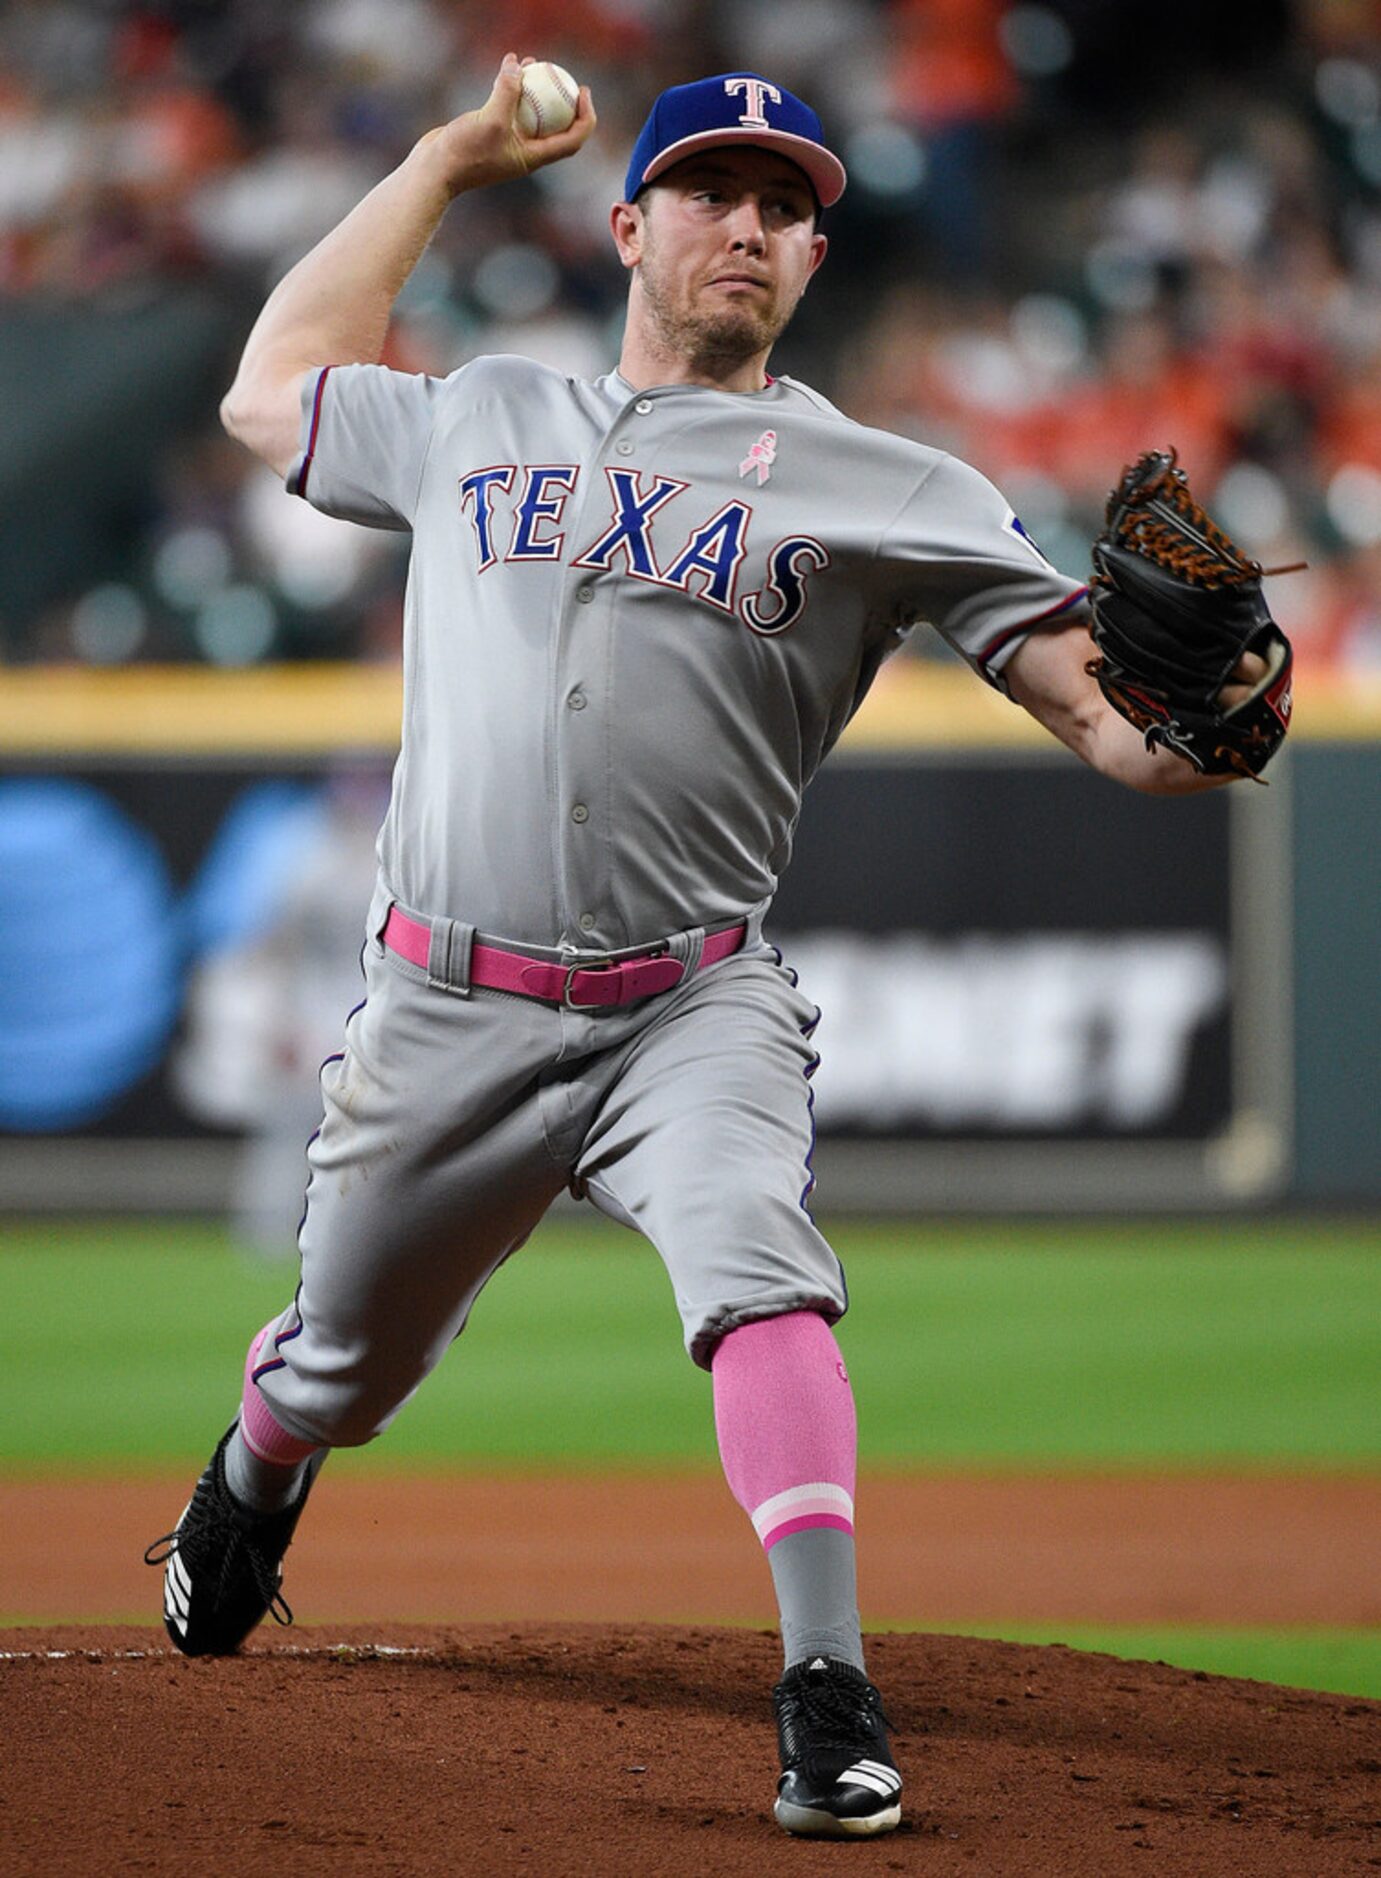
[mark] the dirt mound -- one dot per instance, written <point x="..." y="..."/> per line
<point x="637" y="1750"/>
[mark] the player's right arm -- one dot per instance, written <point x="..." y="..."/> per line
<point x="333" y="307"/>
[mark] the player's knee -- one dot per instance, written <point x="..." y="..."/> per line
<point x="355" y="1429"/>
<point x="338" y="1415"/>
<point x="707" y="1329"/>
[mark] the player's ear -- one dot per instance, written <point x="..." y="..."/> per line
<point x="626" y="224"/>
<point x="819" y="246"/>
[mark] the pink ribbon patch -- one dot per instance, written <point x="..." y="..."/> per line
<point x="761" y="457"/>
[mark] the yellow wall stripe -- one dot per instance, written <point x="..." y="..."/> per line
<point x="285" y="710"/>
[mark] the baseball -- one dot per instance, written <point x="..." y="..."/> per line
<point x="548" y="100"/>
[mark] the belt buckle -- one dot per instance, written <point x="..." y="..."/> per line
<point x="598" y="963"/>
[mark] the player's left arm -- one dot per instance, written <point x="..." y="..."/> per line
<point x="1048" y="675"/>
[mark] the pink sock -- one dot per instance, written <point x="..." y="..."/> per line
<point x="263" y="1435"/>
<point x="784" y="1414"/>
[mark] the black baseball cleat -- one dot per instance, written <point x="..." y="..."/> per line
<point x="223" y="1564"/>
<point x="839" y="1780"/>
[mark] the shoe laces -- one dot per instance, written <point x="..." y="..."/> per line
<point x="832" y="1712"/>
<point x="202" y="1534"/>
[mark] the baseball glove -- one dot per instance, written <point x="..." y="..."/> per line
<point x="1175" y="606"/>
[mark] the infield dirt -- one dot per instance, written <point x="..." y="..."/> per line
<point x="936" y="1550"/>
<point x="379" y="1745"/>
<point x="639" y="1750"/>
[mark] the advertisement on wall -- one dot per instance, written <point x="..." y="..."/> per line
<point x="1013" y="950"/>
<point x="1024" y="974"/>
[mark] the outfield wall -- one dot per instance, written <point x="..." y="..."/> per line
<point x="1038" y="991"/>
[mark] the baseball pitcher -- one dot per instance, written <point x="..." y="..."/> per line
<point x="640" y="612"/>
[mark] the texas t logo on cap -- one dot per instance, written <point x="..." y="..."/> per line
<point x="754" y="90"/>
<point x="733" y="108"/>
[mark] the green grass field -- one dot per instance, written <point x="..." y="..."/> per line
<point x="1179" y="1345"/>
<point x="1186" y="1345"/>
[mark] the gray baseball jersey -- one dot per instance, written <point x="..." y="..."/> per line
<point x="636" y="623"/>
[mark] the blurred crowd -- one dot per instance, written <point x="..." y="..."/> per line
<point x="1060" y="246"/>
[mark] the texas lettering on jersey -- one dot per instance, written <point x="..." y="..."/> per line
<point x="706" y="566"/>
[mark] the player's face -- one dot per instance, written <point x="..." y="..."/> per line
<point x="723" y="249"/>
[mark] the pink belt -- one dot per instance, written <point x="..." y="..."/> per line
<point x="583" y="986"/>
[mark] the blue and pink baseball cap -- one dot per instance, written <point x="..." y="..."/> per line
<point x="733" y="108"/>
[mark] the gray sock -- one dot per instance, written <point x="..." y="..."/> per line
<point x="813" y="1575"/>
<point x="263" y="1486"/>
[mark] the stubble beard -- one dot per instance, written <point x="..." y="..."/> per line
<point x="710" y="342"/>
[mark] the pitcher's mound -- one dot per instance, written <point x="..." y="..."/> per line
<point x="631" y="1751"/>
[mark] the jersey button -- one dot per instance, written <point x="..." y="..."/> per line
<point x="588" y="922"/>
<point x="580" y="813"/>
<point x="577" y="701"/>
<point x="624" y="447"/>
<point x="643" y="406"/>
<point x="585" y="595"/>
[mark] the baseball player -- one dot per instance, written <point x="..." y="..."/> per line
<point x="640" y="611"/>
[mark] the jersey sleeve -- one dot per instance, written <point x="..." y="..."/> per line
<point x="958" y="557"/>
<point x="365" y="431"/>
